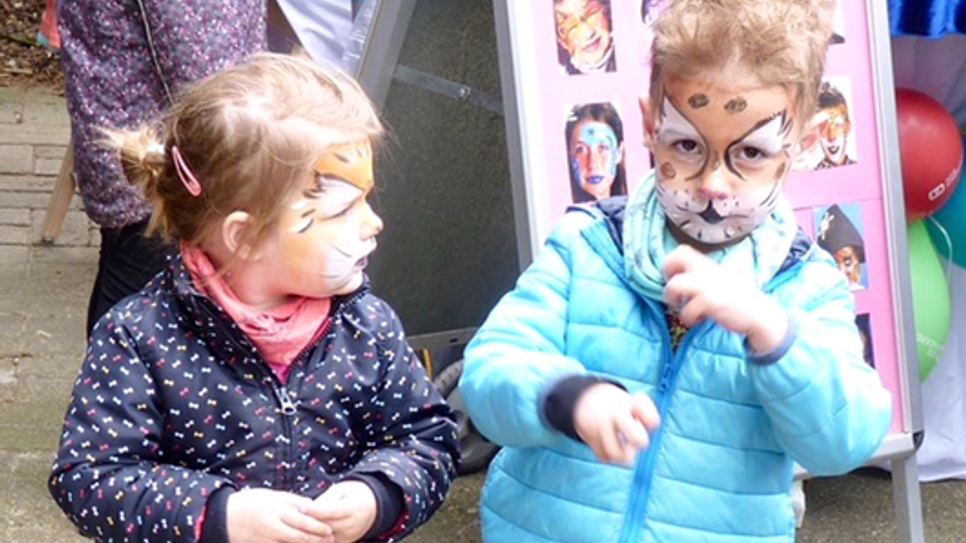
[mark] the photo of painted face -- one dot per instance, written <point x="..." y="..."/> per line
<point x="838" y="26"/>
<point x="839" y="235"/>
<point x="862" y="322"/>
<point x="585" y="42"/>
<point x="595" y="152"/>
<point x="836" y="128"/>
<point x="649" y="11"/>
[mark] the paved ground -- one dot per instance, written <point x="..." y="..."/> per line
<point x="43" y="293"/>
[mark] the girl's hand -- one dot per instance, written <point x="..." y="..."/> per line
<point x="698" y="288"/>
<point x="613" y="423"/>
<point x="262" y="515"/>
<point x="348" y="507"/>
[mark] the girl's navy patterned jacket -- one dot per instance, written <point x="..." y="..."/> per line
<point x="174" y="405"/>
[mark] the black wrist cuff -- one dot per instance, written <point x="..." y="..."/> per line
<point x="389" y="503"/>
<point x="215" y="527"/>
<point x="560" y="401"/>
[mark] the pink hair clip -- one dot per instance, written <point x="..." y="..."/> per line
<point x="190" y="183"/>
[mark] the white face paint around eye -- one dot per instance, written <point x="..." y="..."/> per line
<point x="330" y="197"/>
<point x="770" y="137"/>
<point x="681" y="137"/>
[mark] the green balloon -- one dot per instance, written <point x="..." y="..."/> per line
<point x="930" y="297"/>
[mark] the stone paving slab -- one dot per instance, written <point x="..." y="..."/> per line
<point x="10" y="182"/>
<point x="11" y="105"/>
<point x="27" y="513"/>
<point x="37" y="116"/>
<point x="34" y="134"/>
<point x="27" y="134"/>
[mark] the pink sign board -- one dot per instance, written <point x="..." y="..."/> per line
<point x="567" y="98"/>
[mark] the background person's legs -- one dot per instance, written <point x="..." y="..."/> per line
<point x="127" y="261"/>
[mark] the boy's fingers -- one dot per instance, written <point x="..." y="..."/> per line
<point x="682" y="259"/>
<point x="611" y="449"/>
<point x="645" y="411"/>
<point x="631" y="431"/>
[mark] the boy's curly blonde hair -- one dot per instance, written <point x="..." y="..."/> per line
<point x="781" y="42"/>
<point x="250" y="135"/>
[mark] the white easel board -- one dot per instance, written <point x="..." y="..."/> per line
<point x="539" y="93"/>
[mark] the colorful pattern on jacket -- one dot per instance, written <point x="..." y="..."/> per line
<point x="122" y="60"/>
<point x="173" y="403"/>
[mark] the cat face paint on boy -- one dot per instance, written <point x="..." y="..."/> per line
<point x="330" y="230"/>
<point x="721" y="156"/>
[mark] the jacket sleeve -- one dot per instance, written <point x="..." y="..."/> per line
<point x="829" y="409"/>
<point x="122" y="63"/>
<point x="518" y="354"/>
<point x="110" y="476"/>
<point x="194" y="38"/>
<point x="412" y="440"/>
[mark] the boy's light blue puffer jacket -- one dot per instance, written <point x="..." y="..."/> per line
<point x="719" y="468"/>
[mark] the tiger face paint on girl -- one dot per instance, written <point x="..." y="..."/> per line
<point x="328" y="232"/>
<point x="343" y="174"/>
<point x="350" y="162"/>
<point x="720" y="167"/>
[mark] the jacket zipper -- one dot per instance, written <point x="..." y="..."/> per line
<point x="286" y="407"/>
<point x="644" y="467"/>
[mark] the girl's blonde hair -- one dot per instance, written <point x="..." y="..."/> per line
<point x="250" y="135"/>
<point x="781" y="42"/>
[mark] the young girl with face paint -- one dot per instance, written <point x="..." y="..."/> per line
<point x="666" y="360"/>
<point x="256" y="391"/>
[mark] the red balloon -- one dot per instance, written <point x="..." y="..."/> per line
<point x="931" y="150"/>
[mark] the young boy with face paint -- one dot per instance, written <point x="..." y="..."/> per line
<point x="666" y="359"/>
<point x="256" y="391"/>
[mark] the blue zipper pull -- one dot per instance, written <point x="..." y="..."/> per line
<point x="665" y="381"/>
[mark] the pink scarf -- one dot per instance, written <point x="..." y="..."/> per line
<point x="280" y="334"/>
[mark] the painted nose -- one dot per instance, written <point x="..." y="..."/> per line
<point x="715" y="184"/>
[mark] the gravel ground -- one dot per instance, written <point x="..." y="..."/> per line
<point x="23" y="61"/>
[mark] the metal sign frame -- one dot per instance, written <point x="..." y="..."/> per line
<point x="536" y="91"/>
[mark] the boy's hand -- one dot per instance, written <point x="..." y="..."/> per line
<point x="348" y="507"/>
<point x="613" y="423"/>
<point x="262" y="515"/>
<point x="698" y="288"/>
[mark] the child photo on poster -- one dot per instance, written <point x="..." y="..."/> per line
<point x="839" y="231"/>
<point x="864" y="323"/>
<point x="594" y="135"/>
<point x="649" y="10"/>
<point x="837" y="141"/>
<point x="585" y="39"/>
<point x="838" y="26"/>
